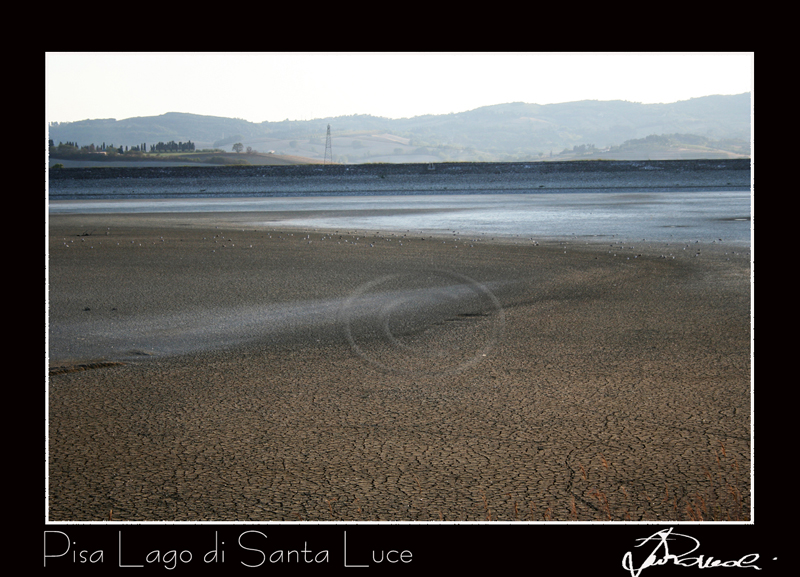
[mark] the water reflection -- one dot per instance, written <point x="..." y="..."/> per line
<point x="654" y="215"/>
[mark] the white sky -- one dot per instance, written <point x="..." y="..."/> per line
<point x="303" y="86"/>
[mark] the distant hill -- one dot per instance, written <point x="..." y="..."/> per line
<point x="504" y="132"/>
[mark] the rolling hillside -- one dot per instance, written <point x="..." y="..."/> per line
<point x="504" y="132"/>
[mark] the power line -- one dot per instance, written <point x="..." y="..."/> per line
<point x="328" y="150"/>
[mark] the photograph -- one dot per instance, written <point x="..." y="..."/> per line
<point x="345" y="309"/>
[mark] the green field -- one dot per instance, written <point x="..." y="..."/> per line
<point x="189" y="158"/>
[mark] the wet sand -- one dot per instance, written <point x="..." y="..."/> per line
<point x="199" y="371"/>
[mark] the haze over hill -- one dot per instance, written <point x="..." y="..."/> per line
<point x="707" y="127"/>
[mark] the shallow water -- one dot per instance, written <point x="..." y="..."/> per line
<point x="675" y="215"/>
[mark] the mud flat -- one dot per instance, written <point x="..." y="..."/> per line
<point x="201" y="372"/>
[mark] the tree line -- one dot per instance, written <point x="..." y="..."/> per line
<point x="72" y="147"/>
<point x="172" y="146"/>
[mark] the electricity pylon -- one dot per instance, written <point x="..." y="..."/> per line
<point x="328" y="150"/>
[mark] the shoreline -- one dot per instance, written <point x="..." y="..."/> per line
<point x="408" y="179"/>
<point x="616" y="369"/>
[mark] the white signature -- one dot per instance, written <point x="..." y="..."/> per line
<point x="662" y="556"/>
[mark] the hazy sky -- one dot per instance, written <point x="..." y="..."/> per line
<point x="302" y="86"/>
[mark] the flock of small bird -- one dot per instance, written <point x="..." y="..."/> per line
<point x="375" y="240"/>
